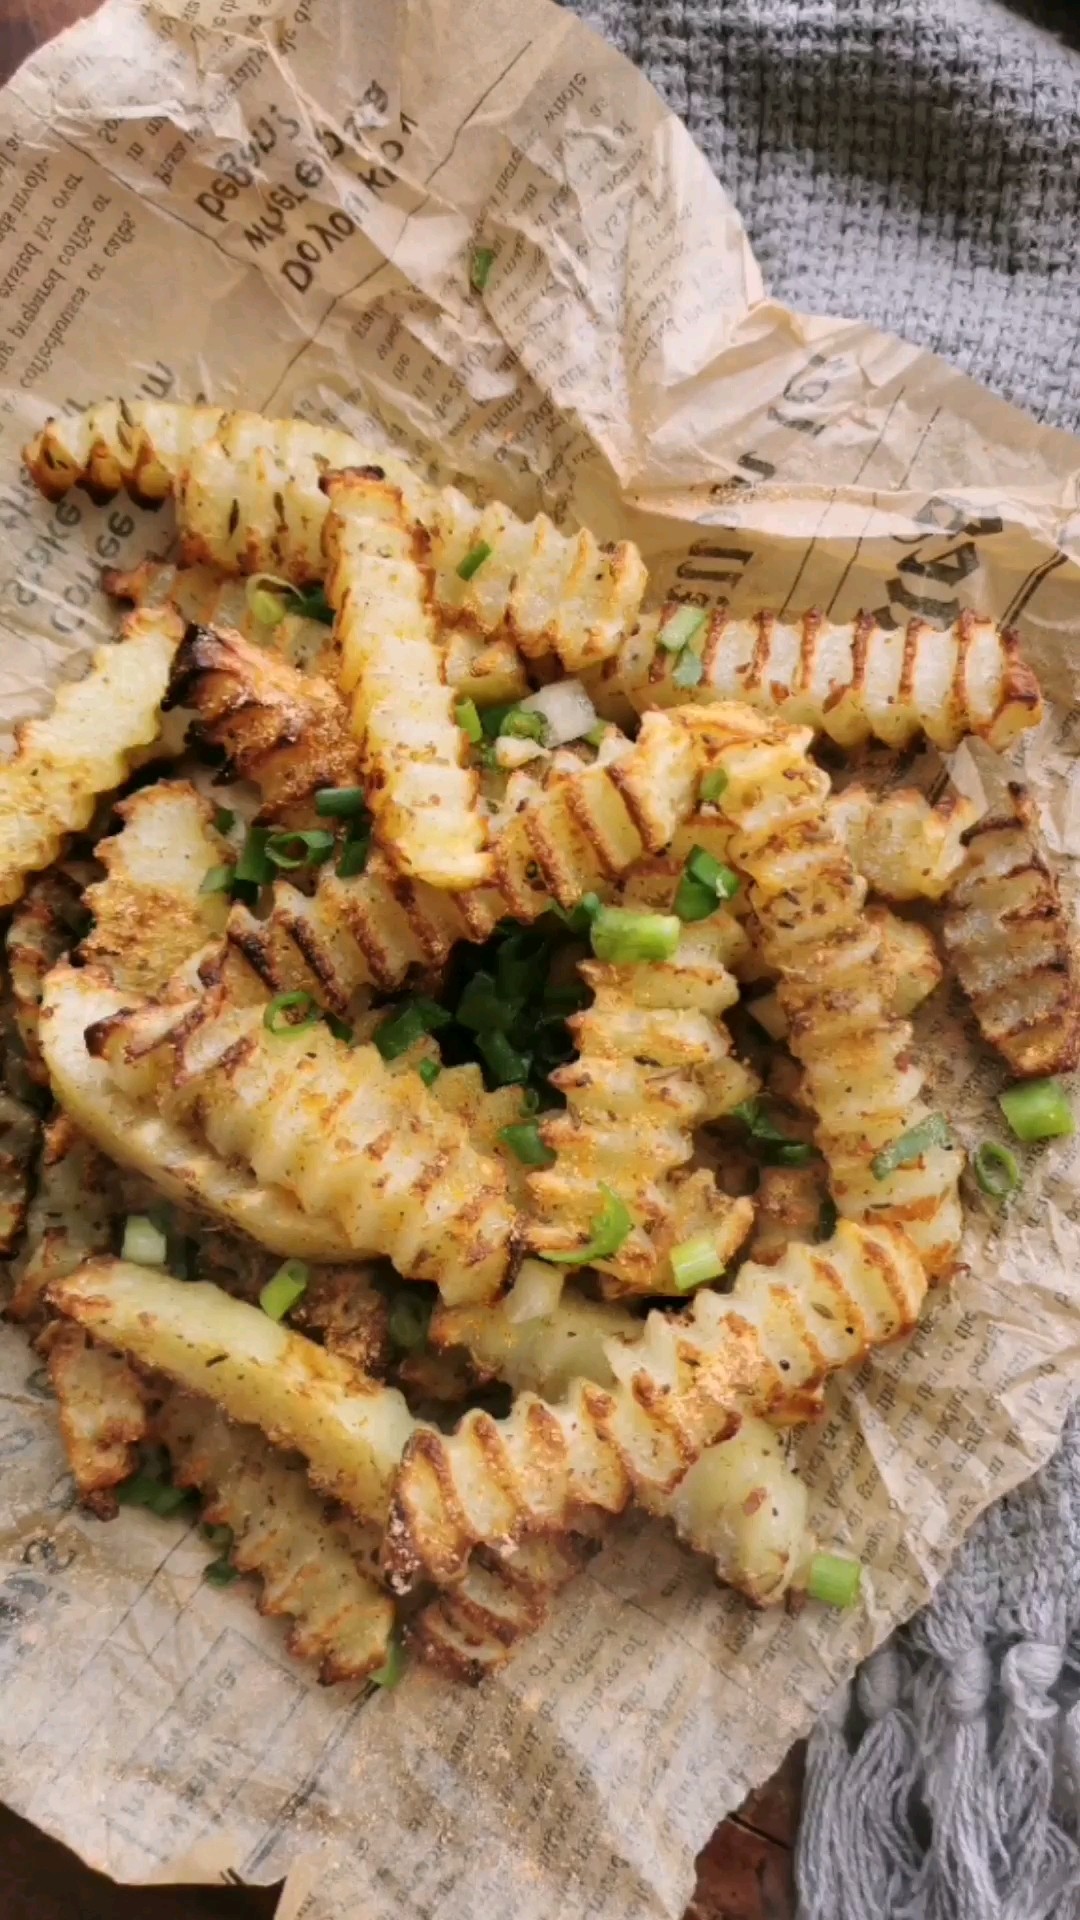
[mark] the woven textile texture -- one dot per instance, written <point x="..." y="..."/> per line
<point x="916" y="164"/>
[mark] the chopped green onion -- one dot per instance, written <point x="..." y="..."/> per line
<point x="217" y="879"/>
<point x="776" y="1148"/>
<point x="1037" y="1110"/>
<point x="355" y="853"/>
<point x="995" y="1169"/>
<point x="409" y="1319"/>
<point x="933" y="1132"/>
<point x="694" y="1262"/>
<point x="393" y="1668"/>
<point x="224" y="819"/>
<point x="492" y="718"/>
<point x="702" y="865"/>
<point x="429" y="1071"/>
<point x="704" y="883"/>
<point x="144" y="1243"/>
<point x="689" y="669"/>
<point x="468" y="720"/>
<point x="474" y="560"/>
<point x="309" y="847"/>
<point x="146" y="1490"/>
<point x="595" y="735"/>
<point x="681" y="629"/>
<point x="284" y="1289"/>
<point x="266" y="609"/>
<point x="480" y="267"/>
<point x="219" y="1537"/>
<point x="609" y="1230"/>
<point x="827" y="1218"/>
<point x="482" y="1008"/>
<point x="506" y="1065"/>
<point x="625" y="938"/>
<point x="833" y="1581"/>
<point x="713" y="786"/>
<point x="520" y="723"/>
<point x="253" y="865"/>
<point x="525" y="1143"/>
<point x="530" y="1101"/>
<point x="413" y="1019"/>
<point x="340" y="1029"/>
<point x="580" y="918"/>
<point x="311" y="603"/>
<point x="220" y="1573"/>
<point x="276" y="1018"/>
<point x="340" y="803"/>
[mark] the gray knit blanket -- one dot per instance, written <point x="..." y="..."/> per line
<point x="916" y="164"/>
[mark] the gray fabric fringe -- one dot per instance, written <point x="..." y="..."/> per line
<point x="916" y="164"/>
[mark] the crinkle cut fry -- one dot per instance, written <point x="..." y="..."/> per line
<point x="40" y="932"/>
<point x="1012" y="941"/>
<point x="70" y="1215"/>
<point x="350" y="1429"/>
<point x="854" y="682"/>
<point x="549" y="592"/>
<point x="150" y="911"/>
<point x="741" y="1504"/>
<point x="65" y="761"/>
<point x="20" y="1129"/>
<point x="103" y="1413"/>
<point x="580" y="834"/>
<point x="905" y="848"/>
<point x="654" y="1060"/>
<point x="203" y="597"/>
<point x="139" y="445"/>
<point x="687" y="1382"/>
<point x="836" y="993"/>
<point x="340" y="1618"/>
<point x="423" y="791"/>
<point x="286" y="732"/>
<point x="135" y="1136"/>
<point x="474" y="1628"/>
<point x="393" y="1170"/>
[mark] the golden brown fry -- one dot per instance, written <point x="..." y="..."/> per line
<point x="1011" y="939"/>
<point x="43" y="926"/>
<point x="70" y="1215"/>
<point x="20" y="1130"/>
<point x="424" y="791"/>
<point x="909" y="961"/>
<point x="904" y="848"/>
<point x="854" y="682"/>
<point x="64" y="762"/>
<point x="341" y="1619"/>
<point x="392" y="1170"/>
<point x="654" y="1061"/>
<point x="248" y="500"/>
<point x="102" y="1411"/>
<point x="549" y="592"/>
<point x="286" y="732"/>
<point x="833" y="986"/>
<point x="780" y="1331"/>
<point x="473" y="1629"/>
<point x="741" y="1503"/>
<point x="150" y="913"/>
<point x="203" y="597"/>
<point x="345" y="1308"/>
<point x="579" y="833"/>
<point x="789" y="1203"/>
<point x="350" y="1429"/>
<point x="177" y="1164"/>
<point x="140" y="446"/>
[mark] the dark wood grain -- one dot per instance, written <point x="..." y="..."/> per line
<point x="743" y="1874"/>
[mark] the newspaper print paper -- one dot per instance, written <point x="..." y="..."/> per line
<point x="278" y="207"/>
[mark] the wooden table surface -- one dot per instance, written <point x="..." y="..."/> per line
<point x="743" y="1874"/>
